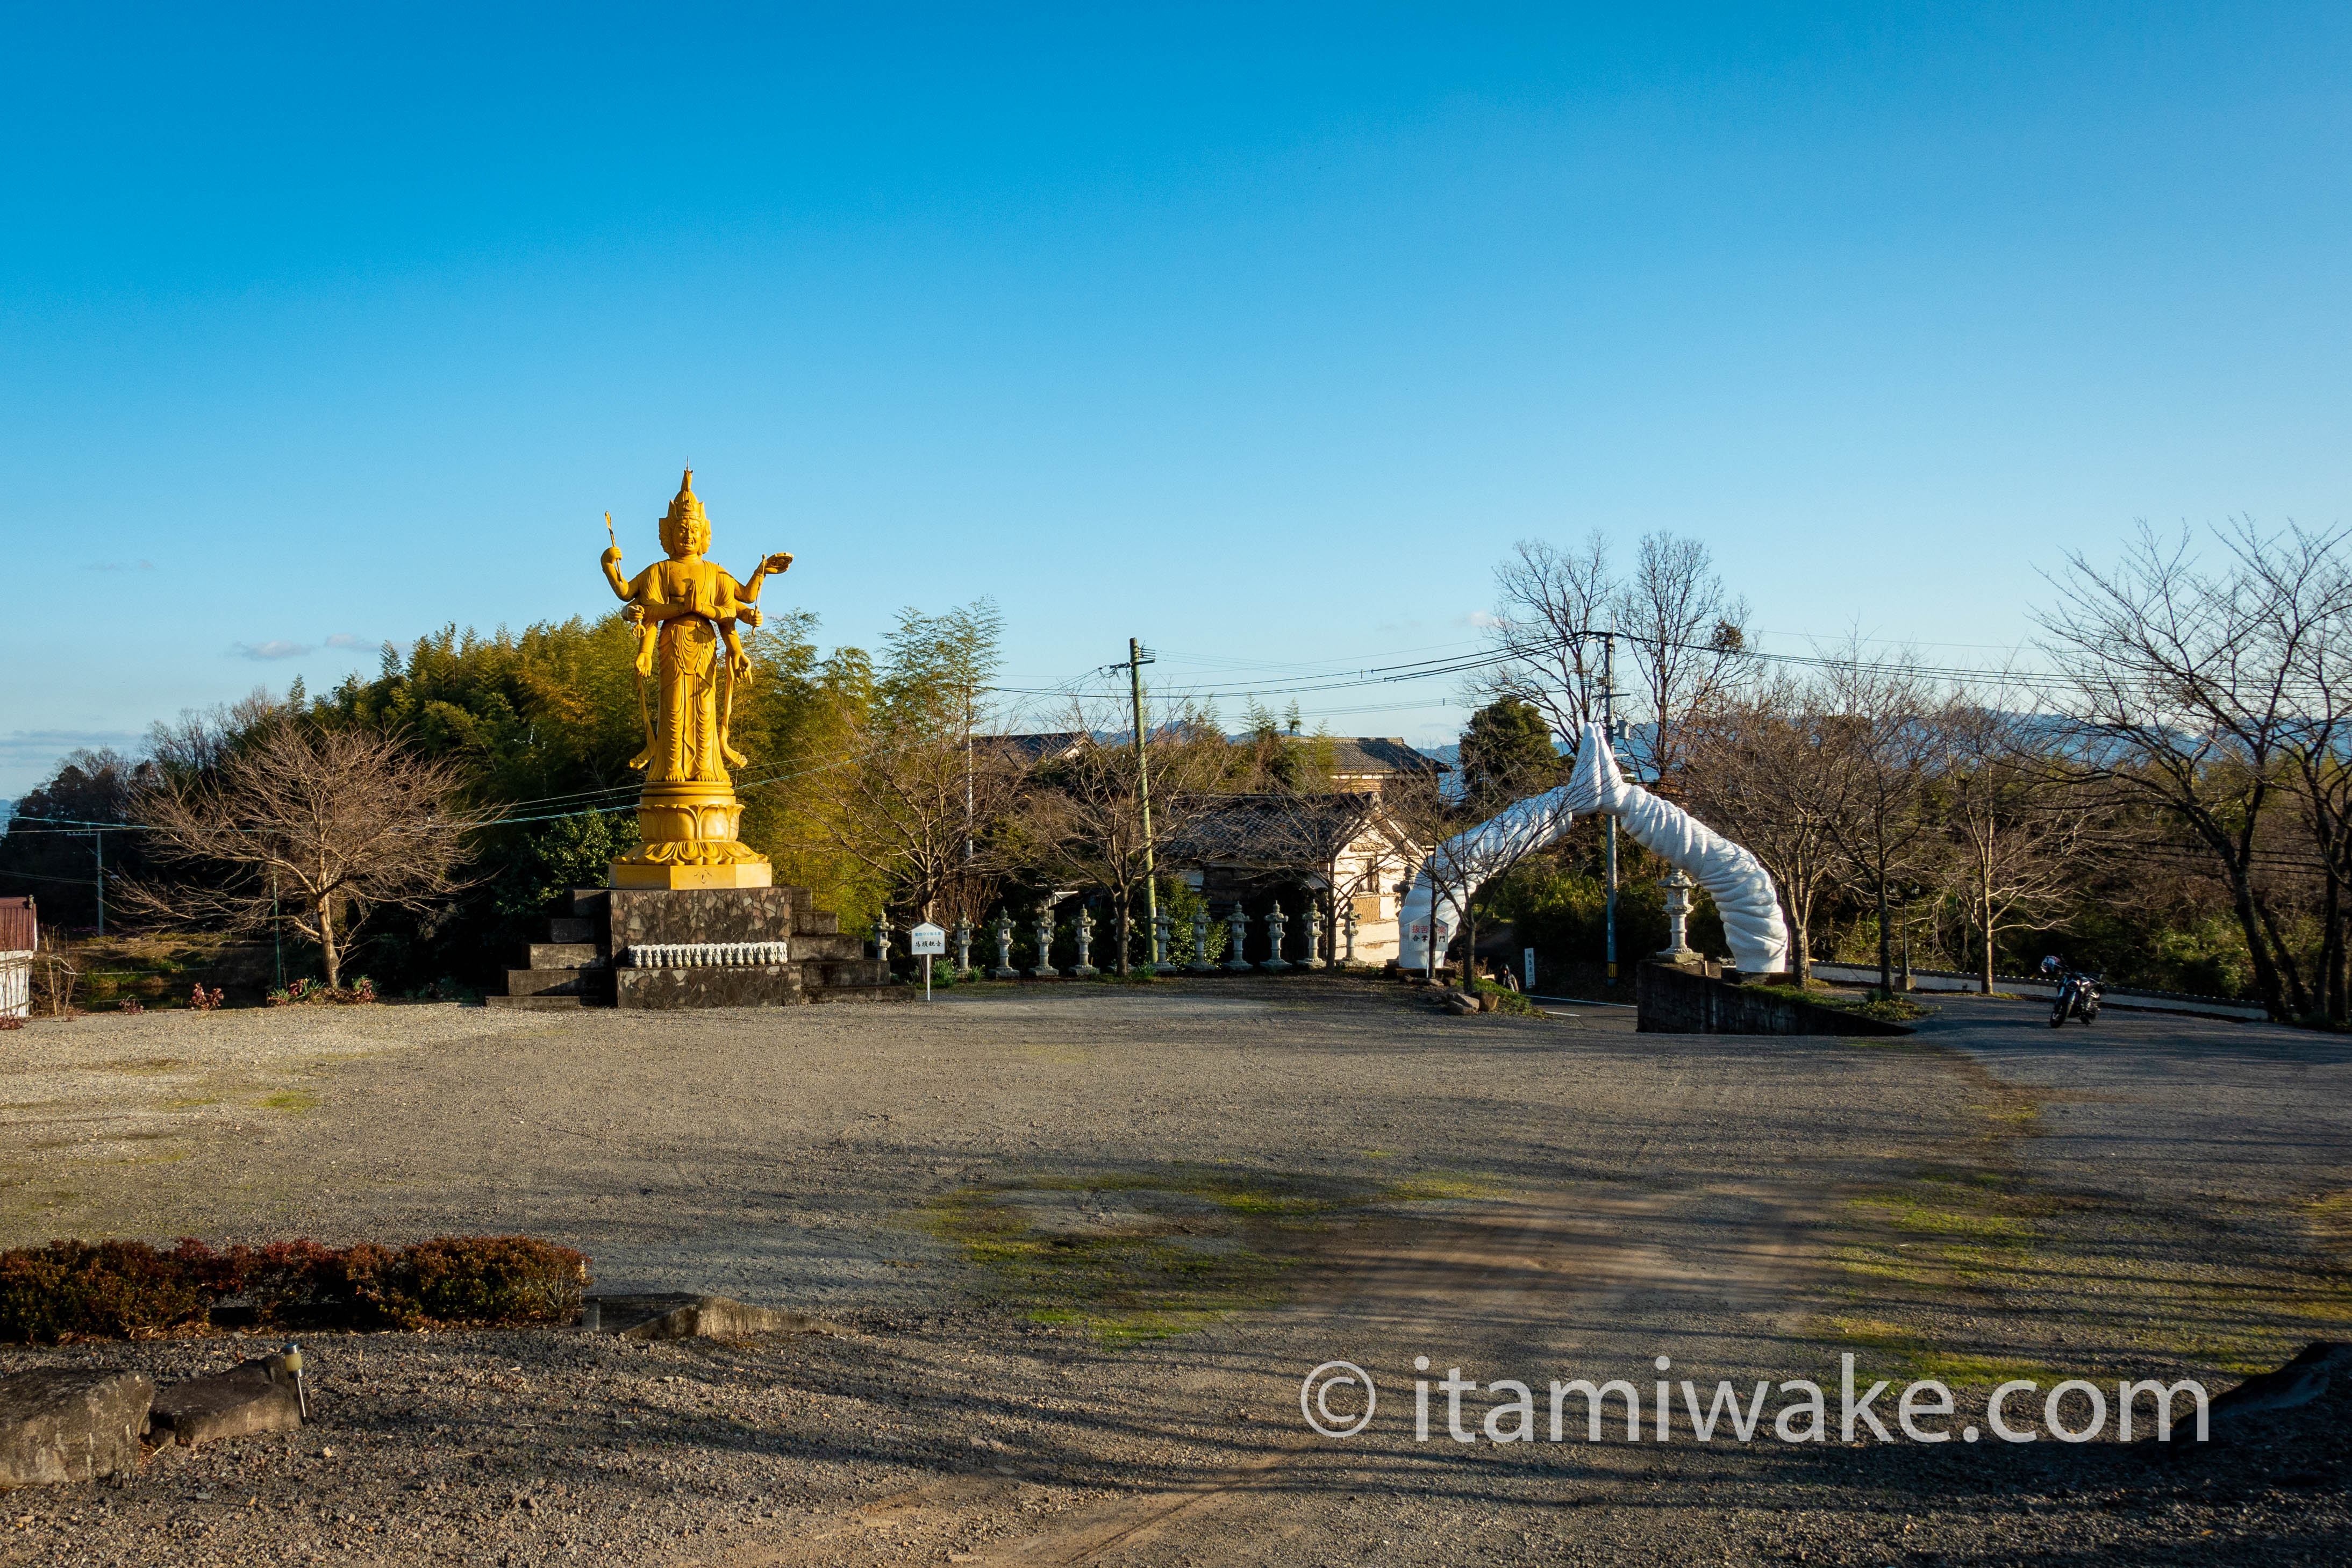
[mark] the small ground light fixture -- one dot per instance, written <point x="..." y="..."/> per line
<point x="293" y="1355"/>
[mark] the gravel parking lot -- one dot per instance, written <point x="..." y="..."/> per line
<point x="1084" y="1242"/>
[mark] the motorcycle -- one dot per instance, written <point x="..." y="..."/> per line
<point x="2078" y="997"/>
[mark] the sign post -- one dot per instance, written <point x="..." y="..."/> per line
<point x="928" y="940"/>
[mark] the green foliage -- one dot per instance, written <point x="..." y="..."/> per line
<point x="2202" y="954"/>
<point x="551" y="859"/>
<point x="1886" y="1009"/>
<point x="1506" y="755"/>
<point x="1506" y="1000"/>
<point x="1181" y="903"/>
<point x="1558" y="902"/>
<point x="934" y="668"/>
<point x="113" y="1290"/>
<point x="1274" y="755"/>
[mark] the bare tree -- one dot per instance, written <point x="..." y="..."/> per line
<point x="2296" y="588"/>
<point x="1083" y="816"/>
<point x="201" y="739"/>
<point x="2200" y="691"/>
<point x="1558" y="612"/>
<point x="1768" y="771"/>
<point x="923" y="814"/>
<point x="327" y="826"/>
<point x="1685" y="633"/>
<point x="921" y="798"/>
<point x="1887" y="747"/>
<point x="1550" y="607"/>
<point x="2018" y="835"/>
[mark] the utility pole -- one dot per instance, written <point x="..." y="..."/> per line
<point x="277" y="932"/>
<point x="1909" y="892"/>
<point x="1137" y="657"/>
<point x="98" y="839"/>
<point x="1608" y="730"/>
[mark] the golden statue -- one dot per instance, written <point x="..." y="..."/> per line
<point x="686" y="610"/>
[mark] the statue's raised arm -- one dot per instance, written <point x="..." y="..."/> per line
<point x="611" y="561"/>
<point x="779" y="563"/>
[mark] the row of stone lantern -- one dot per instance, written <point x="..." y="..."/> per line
<point x="1236" y="923"/>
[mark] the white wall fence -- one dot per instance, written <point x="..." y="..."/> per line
<point x="15" y="985"/>
<point x="2030" y="985"/>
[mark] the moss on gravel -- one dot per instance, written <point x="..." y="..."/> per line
<point x="1216" y="1241"/>
<point x="1965" y="1264"/>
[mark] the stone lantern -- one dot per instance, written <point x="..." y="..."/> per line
<point x="1679" y="887"/>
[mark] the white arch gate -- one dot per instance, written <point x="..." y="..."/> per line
<point x="1741" y="888"/>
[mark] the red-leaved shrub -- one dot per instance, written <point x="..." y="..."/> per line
<point x="75" y="1289"/>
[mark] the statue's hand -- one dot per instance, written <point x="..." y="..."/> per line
<point x="612" y="555"/>
<point x="749" y="615"/>
<point x="781" y="561"/>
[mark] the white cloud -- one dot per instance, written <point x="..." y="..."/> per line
<point x="120" y="566"/>
<point x="344" y="640"/>
<point x="276" y="648"/>
<point x="1481" y="619"/>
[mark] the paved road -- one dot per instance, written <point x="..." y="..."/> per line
<point x="2169" y="1108"/>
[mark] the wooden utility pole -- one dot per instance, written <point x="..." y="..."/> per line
<point x="1137" y="657"/>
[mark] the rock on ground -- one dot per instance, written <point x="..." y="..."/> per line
<point x="60" y="1425"/>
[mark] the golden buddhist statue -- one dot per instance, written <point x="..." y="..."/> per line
<point x="686" y="610"/>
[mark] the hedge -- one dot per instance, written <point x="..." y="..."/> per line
<point x="116" y="1290"/>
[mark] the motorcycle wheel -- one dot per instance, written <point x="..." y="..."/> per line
<point x="2090" y="1014"/>
<point x="2058" y="1016"/>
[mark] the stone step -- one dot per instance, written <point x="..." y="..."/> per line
<point x="834" y="974"/>
<point x="564" y="928"/>
<point x="834" y="947"/>
<point x="865" y="993"/>
<point x="545" y="1003"/>
<point x="818" y="922"/>
<point x="597" y="983"/>
<point x="566" y="955"/>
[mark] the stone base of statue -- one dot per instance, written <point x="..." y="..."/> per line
<point x="748" y="946"/>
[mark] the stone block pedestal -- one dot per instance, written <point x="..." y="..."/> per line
<point x="746" y="946"/>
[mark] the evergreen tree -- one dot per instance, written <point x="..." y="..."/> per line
<point x="1506" y="755"/>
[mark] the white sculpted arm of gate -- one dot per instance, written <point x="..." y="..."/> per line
<point x="1738" y="882"/>
<point x="1463" y="864"/>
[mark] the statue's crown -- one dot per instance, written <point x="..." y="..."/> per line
<point x="685" y="506"/>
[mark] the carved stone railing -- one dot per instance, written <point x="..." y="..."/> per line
<point x="704" y="955"/>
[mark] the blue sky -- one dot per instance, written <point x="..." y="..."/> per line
<point x="1259" y="332"/>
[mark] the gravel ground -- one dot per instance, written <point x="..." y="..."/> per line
<point x="1289" y="1172"/>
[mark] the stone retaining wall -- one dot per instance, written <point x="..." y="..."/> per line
<point x="1677" y="1001"/>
